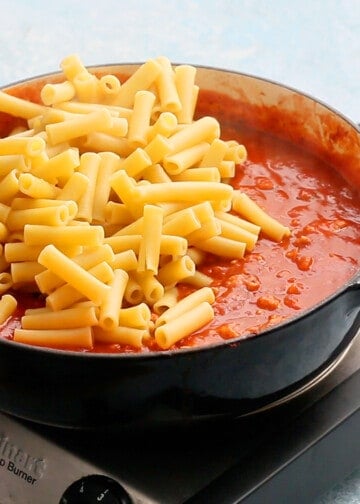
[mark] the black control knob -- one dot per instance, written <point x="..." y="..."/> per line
<point x="95" y="489"/>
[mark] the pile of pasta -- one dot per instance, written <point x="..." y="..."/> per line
<point x="112" y="196"/>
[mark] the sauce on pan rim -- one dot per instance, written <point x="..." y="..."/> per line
<point x="276" y="281"/>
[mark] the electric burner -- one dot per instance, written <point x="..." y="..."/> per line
<point x="290" y="451"/>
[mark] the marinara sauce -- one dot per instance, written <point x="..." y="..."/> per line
<point x="276" y="281"/>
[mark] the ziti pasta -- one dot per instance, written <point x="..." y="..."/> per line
<point x="111" y="197"/>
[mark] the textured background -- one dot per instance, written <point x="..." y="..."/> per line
<point x="312" y="45"/>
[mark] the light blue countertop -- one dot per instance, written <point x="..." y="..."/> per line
<point x="312" y="45"/>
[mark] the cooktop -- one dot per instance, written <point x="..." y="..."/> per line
<point x="289" y="452"/>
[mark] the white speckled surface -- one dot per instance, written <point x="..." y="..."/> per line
<point x="312" y="45"/>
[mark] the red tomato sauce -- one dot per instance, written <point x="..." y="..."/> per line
<point x="276" y="281"/>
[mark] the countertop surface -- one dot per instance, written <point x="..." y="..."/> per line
<point x="312" y="45"/>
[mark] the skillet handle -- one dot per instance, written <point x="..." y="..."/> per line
<point x="352" y="295"/>
<point x="345" y="312"/>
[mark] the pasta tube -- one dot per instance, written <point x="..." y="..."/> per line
<point x="73" y="274"/>
<point x="112" y="302"/>
<point x="246" y="207"/>
<point x="8" y="305"/>
<point x="64" y="338"/>
<point x="170" y="333"/>
<point x="68" y="319"/>
<point x="185" y="304"/>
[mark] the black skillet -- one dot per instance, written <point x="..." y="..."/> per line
<point x="237" y="377"/>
